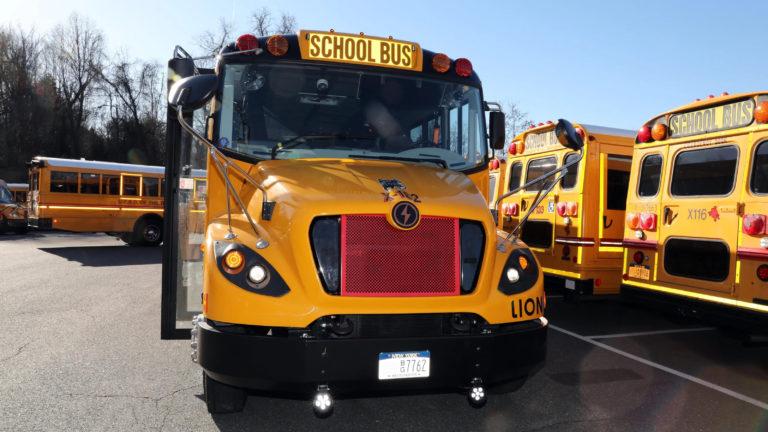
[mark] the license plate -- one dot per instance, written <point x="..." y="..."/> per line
<point x="366" y="50"/>
<point x="639" y="272"/>
<point x="569" y="284"/>
<point x="399" y="365"/>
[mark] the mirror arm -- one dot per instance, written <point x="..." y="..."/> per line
<point x="539" y="198"/>
<point x="267" y="206"/>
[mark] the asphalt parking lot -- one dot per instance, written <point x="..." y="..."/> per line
<point x="80" y="349"/>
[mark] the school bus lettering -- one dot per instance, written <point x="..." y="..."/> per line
<point x="365" y="50"/>
<point x="528" y="307"/>
<point x="539" y="142"/>
<point x="713" y="119"/>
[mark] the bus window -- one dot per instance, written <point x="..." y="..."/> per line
<point x="759" y="182"/>
<point x="89" y="183"/>
<point x="130" y="185"/>
<point x="150" y="187"/>
<point x="709" y="171"/>
<point x="650" y="176"/>
<point x="110" y="184"/>
<point x="162" y="187"/>
<point x="201" y="190"/>
<point x="33" y="178"/>
<point x="63" y="182"/>
<point x="618" y="184"/>
<point x="514" y="175"/>
<point x="536" y="169"/>
<point x="569" y="181"/>
<point x="416" y="135"/>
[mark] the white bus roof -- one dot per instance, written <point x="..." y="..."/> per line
<point x="603" y="130"/>
<point x="98" y="165"/>
<point x="17" y="186"/>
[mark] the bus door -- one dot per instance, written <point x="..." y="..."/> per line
<point x="614" y="184"/>
<point x="184" y="216"/>
<point x="699" y="217"/>
<point x="539" y="230"/>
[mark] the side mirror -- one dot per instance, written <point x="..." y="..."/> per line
<point x="193" y="92"/>
<point x="567" y="135"/>
<point x="496" y="128"/>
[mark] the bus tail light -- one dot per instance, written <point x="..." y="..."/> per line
<point x="463" y="67"/>
<point x="633" y="221"/>
<point x="247" y="42"/>
<point x="648" y="221"/>
<point x="762" y="272"/>
<point x="659" y="131"/>
<point x="277" y="45"/>
<point x="644" y="134"/>
<point x="561" y="209"/>
<point x="753" y="224"/>
<point x="441" y="63"/>
<point x="638" y="257"/>
<point x="761" y="112"/>
<point x="572" y="208"/>
<point x="514" y="209"/>
<point x="513" y="148"/>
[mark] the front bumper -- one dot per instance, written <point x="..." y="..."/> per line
<point x="15" y="223"/>
<point x="295" y="363"/>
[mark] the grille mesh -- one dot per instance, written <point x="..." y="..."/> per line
<point x="379" y="260"/>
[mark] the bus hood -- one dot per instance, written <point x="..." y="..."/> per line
<point x="314" y="187"/>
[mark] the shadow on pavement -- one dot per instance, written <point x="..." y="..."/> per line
<point x="105" y="256"/>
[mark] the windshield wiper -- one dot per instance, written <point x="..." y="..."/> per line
<point x="435" y="160"/>
<point x="298" y="140"/>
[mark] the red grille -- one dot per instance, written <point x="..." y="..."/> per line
<point x="379" y="260"/>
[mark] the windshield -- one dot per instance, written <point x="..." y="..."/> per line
<point x="288" y="111"/>
<point x="5" y="195"/>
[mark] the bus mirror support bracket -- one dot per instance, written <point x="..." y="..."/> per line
<point x="568" y="137"/>
<point x="222" y="165"/>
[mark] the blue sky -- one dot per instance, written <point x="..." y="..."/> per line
<point x="609" y="63"/>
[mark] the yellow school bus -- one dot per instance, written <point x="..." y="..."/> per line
<point x="349" y="245"/>
<point x="19" y="192"/>
<point x="576" y="232"/>
<point x="695" y="228"/>
<point x="92" y="196"/>
<point x="496" y="169"/>
<point x="13" y="215"/>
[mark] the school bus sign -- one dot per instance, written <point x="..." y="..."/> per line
<point x="360" y="49"/>
<point x="730" y="116"/>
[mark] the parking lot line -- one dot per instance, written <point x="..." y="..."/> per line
<point x="713" y="386"/>
<point x="649" y="333"/>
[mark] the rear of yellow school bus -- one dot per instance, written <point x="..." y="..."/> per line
<point x="576" y="231"/>
<point x="695" y="230"/>
<point x="496" y="171"/>
<point x="349" y="245"/>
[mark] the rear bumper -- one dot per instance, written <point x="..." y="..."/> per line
<point x="298" y="364"/>
<point x="557" y="284"/>
<point x="41" y="223"/>
<point x="715" y="313"/>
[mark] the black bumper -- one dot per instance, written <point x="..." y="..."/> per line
<point x="554" y="284"/>
<point x="710" y="312"/>
<point x="15" y="223"/>
<point x="41" y="223"/>
<point x="298" y="365"/>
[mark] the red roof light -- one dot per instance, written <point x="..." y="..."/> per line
<point x="247" y="42"/>
<point x="463" y="67"/>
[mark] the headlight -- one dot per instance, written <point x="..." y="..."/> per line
<point x="261" y="277"/>
<point x="257" y="274"/>
<point x="520" y="272"/>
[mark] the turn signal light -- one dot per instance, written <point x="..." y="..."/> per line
<point x="753" y="224"/>
<point x="513" y="148"/>
<point x="572" y="208"/>
<point x="523" y="261"/>
<point x="644" y="134"/>
<point x="761" y="112"/>
<point x="520" y="147"/>
<point x="561" y="209"/>
<point x="247" y="42"/>
<point x="463" y="67"/>
<point x="633" y="221"/>
<point x="277" y="45"/>
<point x="441" y="63"/>
<point x="659" y="131"/>
<point x="234" y="261"/>
<point x="648" y="221"/>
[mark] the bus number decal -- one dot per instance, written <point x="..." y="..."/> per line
<point x="697" y="214"/>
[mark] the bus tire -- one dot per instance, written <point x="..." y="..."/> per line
<point x="221" y="398"/>
<point x="148" y="231"/>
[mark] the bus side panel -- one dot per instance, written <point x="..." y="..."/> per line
<point x="751" y="255"/>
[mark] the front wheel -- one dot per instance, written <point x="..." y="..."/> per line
<point x="146" y="232"/>
<point x="221" y="398"/>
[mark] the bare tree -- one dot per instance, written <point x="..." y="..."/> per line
<point x="75" y="55"/>
<point x="287" y="24"/>
<point x="515" y="120"/>
<point x="262" y="21"/>
<point x="211" y="42"/>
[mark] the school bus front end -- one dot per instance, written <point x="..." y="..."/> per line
<point x="13" y="215"/>
<point x="694" y="236"/>
<point x="576" y="231"/>
<point x="347" y="247"/>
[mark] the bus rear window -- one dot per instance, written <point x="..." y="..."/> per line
<point x="63" y="182"/>
<point x="759" y="182"/>
<point x="569" y="181"/>
<point x="709" y="171"/>
<point x="697" y="259"/>
<point x="536" y="169"/>
<point x="537" y="234"/>
<point x="516" y="171"/>
<point x="650" y="176"/>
